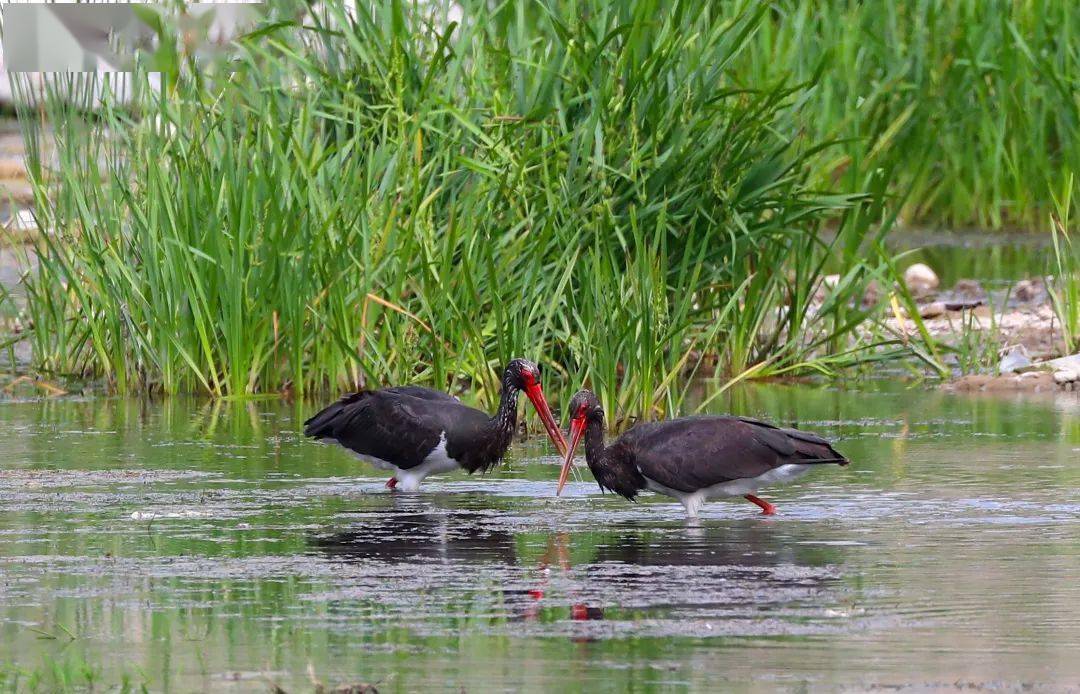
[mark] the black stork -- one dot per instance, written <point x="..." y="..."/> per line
<point x="693" y="459"/>
<point x="416" y="432"/>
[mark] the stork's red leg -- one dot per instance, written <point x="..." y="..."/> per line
<point x="391" y="483"/>
<point x="767" y="509"/>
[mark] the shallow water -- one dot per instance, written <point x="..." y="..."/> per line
<point x="190" y="546"/>
<point x="996" y="258"/>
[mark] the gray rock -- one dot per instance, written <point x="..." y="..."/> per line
<point x="932" y="310"/>
<point x="1065" y="376"/>
<point x="1014" y="359"/>
<point x="1071" y="363"/>
<point x="1028" y="290"/>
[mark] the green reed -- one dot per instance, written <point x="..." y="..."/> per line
<point x="1064" y="286"/>
<point x="393" y="197"/>
<point x="971" y="102"/>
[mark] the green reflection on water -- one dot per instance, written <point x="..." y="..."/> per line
<point x="192" y="546"/>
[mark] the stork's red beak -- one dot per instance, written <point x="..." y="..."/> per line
<point x="577" y="428"/>
<point x="536" y="396"/>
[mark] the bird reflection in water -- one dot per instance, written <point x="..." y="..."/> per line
<point x="557" y="554"/>
<point x="733" y="565"/>
<point x="458" y="536"/>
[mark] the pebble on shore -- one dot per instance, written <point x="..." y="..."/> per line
<point x="920" y="279"/>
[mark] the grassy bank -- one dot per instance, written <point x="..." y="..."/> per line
<point x="971" y="104"/>
<point x="404" y="198"/>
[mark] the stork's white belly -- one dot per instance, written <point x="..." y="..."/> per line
<point x="437" y="461"/>
<point x="747" y="485"/>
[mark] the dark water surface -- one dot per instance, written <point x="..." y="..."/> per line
<point x="193" y="547"/>
<point x="999" y="258"/>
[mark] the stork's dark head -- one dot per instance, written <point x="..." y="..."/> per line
<point x="523" y="374"/>
<point x="585" y="405"/>
<point x="584" y="409"/>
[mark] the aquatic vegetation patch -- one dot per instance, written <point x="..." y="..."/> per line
<point x="389" y="196"/>
<point x="971" y="105"/>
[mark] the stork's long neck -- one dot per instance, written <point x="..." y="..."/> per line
<point x="504" y="421"/>
<point x="482" y="449"/>
<point x="612" y="466"/>
<point x="595" y="450"/>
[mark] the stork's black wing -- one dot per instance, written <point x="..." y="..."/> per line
<point x="380" y="424"/>
<point x="809" y="447"/>
<point x="422" y="393"/>
<point x="696" y="452"/>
